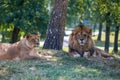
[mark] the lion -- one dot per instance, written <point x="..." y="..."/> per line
<point x="100" y="53"/>
<point x="81" y="43"/>
<point x="22" y="50"/>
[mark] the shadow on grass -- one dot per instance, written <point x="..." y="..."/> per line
<point x="93" y="68"/>
<point x="60" y="67"/>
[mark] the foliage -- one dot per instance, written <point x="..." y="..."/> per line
<point x="94" y="11"/>
<point x="75" y="12"/>
<point x="28" y="15"/>
<point x="111" y="7"/>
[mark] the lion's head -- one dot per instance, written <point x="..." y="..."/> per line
<point x="81" y="41"/>
<point x="81" y="34"/>
<point x="33" y="40"/>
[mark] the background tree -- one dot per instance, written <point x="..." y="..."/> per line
<point x="108" y="11"/>
<point x="116" y="21"/>
<point x="56" y="26"/>
<point x="75" y="12"/>
<point x="100" y="31"/>
<point x="26" y="15"/>
<point x="107" y="36"/>
<point x="115" y="49"/>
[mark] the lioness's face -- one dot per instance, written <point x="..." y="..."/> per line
<point x="33" y="40"/>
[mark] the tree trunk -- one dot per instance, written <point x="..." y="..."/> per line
<point x="15" y="35"/>
<point x="94" y="27"/>
<point x="3" y="37"/>
<point x="100" y="32"/>
<point x="3" y="34"/>
<point x="107" y="40"/>
<point x="116" y="39"/>
<point x="56" y="26"/>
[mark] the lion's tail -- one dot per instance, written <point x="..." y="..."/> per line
<point x="103" y="53"/>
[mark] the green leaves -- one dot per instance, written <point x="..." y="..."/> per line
<point x="28" y="15"/>
<point x="93" y="10"/>
<point x="111" y="7"/>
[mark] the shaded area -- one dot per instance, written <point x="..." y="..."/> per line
<point x="60" y="67"/>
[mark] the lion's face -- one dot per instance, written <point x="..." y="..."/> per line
<point x="33" y="40"/>
<point x="80" y="41"/>
<point x="81" y="35"/>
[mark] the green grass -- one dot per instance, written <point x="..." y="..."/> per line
<point x="102" y="43"/>
<point x="60" y="67"/>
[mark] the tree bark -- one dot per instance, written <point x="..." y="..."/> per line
<point x="94" y="27"/>
<point x="3" y="37"/>
<point x="116" y="39"/>
<point x="100" y="32"/>
<point x="107" y="37"/>
<point x="56" y="26"/>
<point x="3" y="32"/>
<point x="107" y="40"/>
<point x="15" y="35"/>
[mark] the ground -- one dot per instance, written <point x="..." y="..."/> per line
<point x="60" y="67"/>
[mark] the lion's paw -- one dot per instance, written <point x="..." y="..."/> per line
<point x="76" y="55"/>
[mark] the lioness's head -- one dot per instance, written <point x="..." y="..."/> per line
<point x="81" y="34"/>
<point x="33" y="40"/>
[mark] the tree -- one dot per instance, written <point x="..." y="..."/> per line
<point x="116" y="39"/>
<point x="116" y="19"/>
<point x="75" y="12"/>
<point x="107" y="37"/>
<point x="100" y="32"/>
<point x="56" y="26"/>
<point x="15" y="33"/>
<point x="112" y="14"/>
<point x="26" y="15"/>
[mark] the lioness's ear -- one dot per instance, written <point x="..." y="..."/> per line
<point x="38" y="34"/>
<point x="28" y="36"/>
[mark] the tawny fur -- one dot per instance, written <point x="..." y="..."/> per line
<point x="75" y="48"/>
<point x="74" y="44"/>
<point x="100" y="53"/>
<point x="21" y="50"/>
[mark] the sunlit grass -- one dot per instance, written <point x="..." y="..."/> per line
<point x="65" y="49"/>
<point x="63" y="68"/>
<point x="102" y="42"/>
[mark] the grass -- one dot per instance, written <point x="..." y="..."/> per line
<point x="60" y="67"/>
<point x="102" y="42"/>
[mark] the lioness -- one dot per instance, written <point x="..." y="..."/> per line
<point x="21" y="50"/>
<point x="81" y="43"/>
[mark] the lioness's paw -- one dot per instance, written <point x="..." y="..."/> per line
<point x="76" y="55"/>
<point x="46" y="57"/>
